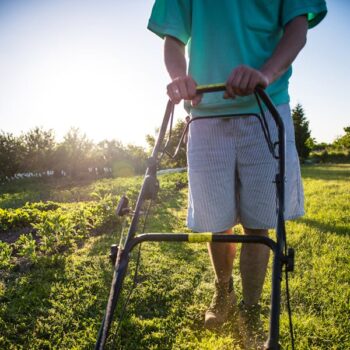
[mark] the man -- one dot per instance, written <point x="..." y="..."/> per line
<point x="231" y="172"/>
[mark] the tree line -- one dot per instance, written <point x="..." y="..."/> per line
<point x="37" y="153"/>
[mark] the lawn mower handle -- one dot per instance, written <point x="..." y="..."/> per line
<point x="259" y="90"/>
<point x="203" y="89"/>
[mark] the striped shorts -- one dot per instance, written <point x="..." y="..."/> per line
<point x="232" y="174"/>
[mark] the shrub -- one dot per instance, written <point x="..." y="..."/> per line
<point x="55" y="231"/>
<point x="42" y="206"/>
<point x="103" y="211"/>
<point x="330" y="156"/>
<point x="14" y="219"/>
<point x="5" y="255"/>
<point x="26" y="247"/>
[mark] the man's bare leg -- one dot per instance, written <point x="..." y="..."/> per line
<point x="253" y="263"/>
<point x="222" y="256"/>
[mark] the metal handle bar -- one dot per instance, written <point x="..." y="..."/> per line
<point x="202" y="89"/>
<point x="259" y="90"/>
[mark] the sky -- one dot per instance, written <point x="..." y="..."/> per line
<point x="92" y="64"/>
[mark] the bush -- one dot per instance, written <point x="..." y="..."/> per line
<point x="5" y="255"/>
<point x="42" y="206"/>
<point x="26" y="247"/>
<point x="103" y="211"/>
<point x="30" y="213"/>
<point x="330" y="156"/>
<point x="55" y="231"/>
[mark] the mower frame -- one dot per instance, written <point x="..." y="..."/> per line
<point x="282" y="256"/>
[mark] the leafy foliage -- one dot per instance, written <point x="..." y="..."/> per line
<point x="5" y="255"/>
<point x="337" y="152"/>
<point x="11" y="155"/>
<point x="26" y="247"/>
<point x="14" y="219"/>
<point x="343" y="142"/>
<point x="39" y="148"/>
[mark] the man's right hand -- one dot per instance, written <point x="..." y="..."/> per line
<point x="183" y="88"/>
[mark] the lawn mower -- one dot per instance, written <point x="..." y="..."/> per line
<point x="283" y="257"/>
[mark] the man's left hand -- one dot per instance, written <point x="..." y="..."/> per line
<point x="243" y="80"/>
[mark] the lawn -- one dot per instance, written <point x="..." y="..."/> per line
<point x="55" y="272"/>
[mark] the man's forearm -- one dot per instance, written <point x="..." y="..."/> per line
<point x="182" y="86"/>
<point x="292" y="42"/>
<point x="174" y="57"/>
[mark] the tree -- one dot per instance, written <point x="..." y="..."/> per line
<point x="138" y="158"/>
<point x="343" y="142"/>
<point x="302" y="132"/>
<point x="111" y="151"/>
<point x="180" y="161"/>
<point x="124" y="161"/>
<point x="75" y="151"/>
<point x="11" y="155"/>
<point x="320" y="146"/>
<point x="39" y="147"/>
<point x="112" y="155"/>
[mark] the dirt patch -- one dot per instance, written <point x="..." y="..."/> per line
<point x="12" y="236"/>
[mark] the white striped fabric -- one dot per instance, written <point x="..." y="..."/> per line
<point x="231" y="174"/>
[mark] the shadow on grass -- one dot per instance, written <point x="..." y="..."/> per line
<point x="326" y="228"/>
<point x="165" y="218"/>
<point x="162" y="332"/>
<point x="16" y="193"/>
<point x="103" y="242"/>
<point x="18" y="199"/>
<point x="58" y="303"/>
<point x="26" y="298"/>
<point x="326" y="172"/>
<point x="44" y="183"/>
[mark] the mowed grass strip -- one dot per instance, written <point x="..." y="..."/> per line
<point x="58" y="303"/>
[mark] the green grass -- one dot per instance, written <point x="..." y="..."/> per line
<point x="58" y="301"/>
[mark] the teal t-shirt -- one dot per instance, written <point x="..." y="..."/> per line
<point x="221" y="35"/>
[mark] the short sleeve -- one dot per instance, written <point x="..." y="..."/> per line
<point x="315" y="10"/>
<point x="171" y="17"/>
